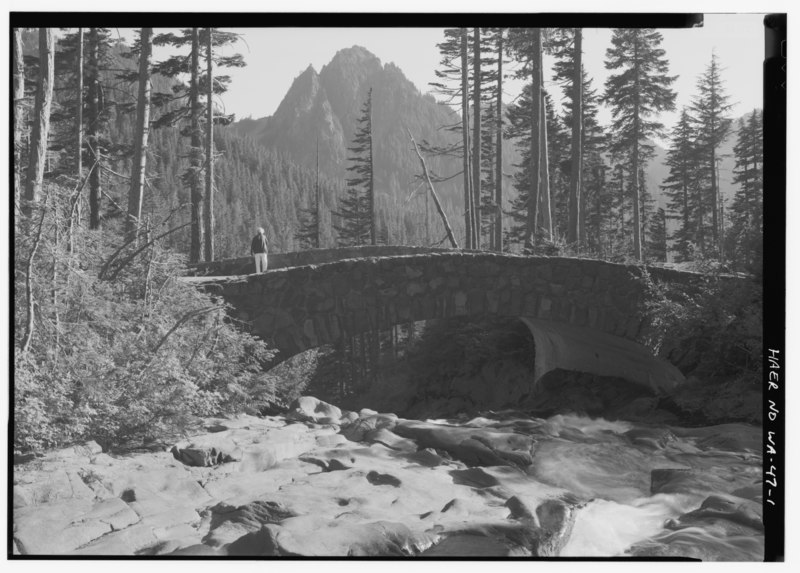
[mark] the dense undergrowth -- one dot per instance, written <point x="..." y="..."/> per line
<point x="713" y="331"/>
<point x="120" y="351"/>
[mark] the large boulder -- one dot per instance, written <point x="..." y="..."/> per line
<point x="473" y="446"/>
<point x="310" y="409"/>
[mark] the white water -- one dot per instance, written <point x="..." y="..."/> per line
<point x="608" y="528"/>
<point x="611" y="472"/>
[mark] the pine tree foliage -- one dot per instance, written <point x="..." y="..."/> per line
<point x="357" y="224"/>
<point x="657" y="237"/>
<point x="638" y="90"/>
<point x="593" y="138"/>
<point x="519" y="130"/>
<point x="681" y="188"/>
<point x="710" y="108"/>
<point x="745" y="237"/>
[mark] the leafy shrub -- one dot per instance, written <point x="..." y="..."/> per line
<point x="713" y="332"/>
<point x="123" y="360"/>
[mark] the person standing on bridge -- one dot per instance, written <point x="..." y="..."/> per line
<point x="258" y="248"/>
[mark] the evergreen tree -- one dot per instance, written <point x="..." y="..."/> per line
<point x="680" y="187"/>
<point x="575" y="231"/>
<point x="492" y="76"/>
<point x="557" y="144"/>
<point x="620" y="245"/>
<point x="453" y="84"/>
<point x="636" y="93"/>
<point x="94" y="121"/>
<point x="592" y="137"/>
<point x="214" y="39"/>
<point x="657" y="240"/>
<point x="309" y="235"/>
<point x="477" y="130"/>
<point x="526" y="44"/>
<point x="199" y="114"/>
<point x="357" y="208"/>
<point x="97" y="115"/>
<point x="646" y="204"/>
<point x="710" y="107"/>
<point x="499" y="46"/>
<point x="598" y="210"/>
<point x="746" y="211"/>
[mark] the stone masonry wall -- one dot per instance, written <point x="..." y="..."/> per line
<point x="298" y="308"/>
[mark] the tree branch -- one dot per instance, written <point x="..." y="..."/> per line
<point x="26" y="339"/>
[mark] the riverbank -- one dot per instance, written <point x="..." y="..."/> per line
<point x="322" y="482"/>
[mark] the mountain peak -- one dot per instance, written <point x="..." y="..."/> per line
<point x="358" y="54"/>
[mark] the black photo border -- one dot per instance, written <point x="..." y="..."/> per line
<point x="774" y="106"/>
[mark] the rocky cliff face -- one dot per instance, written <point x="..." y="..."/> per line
<point x="325" y="107"/>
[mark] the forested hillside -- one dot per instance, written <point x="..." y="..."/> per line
<point x="325" y="106"/>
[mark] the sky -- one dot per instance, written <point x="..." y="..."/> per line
<point x="276" y="56"/>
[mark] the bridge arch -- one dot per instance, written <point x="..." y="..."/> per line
<point x="583" y="314"/>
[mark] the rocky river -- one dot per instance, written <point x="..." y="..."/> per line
<point x="319" y="481"/>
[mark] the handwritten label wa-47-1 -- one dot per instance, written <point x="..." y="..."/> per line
<point x="773" y="385"/>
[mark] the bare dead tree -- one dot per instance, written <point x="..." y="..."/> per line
<point x="442" y="214"/>
<point x="138" y="167"/>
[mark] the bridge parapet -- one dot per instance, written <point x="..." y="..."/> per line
<point x="246" y="266"/>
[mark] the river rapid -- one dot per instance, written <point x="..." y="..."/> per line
<point x="321" y="481"/>
<point x="641" y="490"/>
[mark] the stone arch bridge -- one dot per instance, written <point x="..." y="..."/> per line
<point x="583" y="314"/>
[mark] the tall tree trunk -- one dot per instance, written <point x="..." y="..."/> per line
<point x="573" y="232"/>
<point x="75" y="216"/>
<point x="427" y="221"/>
<point x="498" y="158"/>
<point x="92" y="128"/>
<point x="318" y="215"/>
<point x="598" y="206"/>
<point x="536" y="99"/>
<point x="637" y="228"/>
<point x="373" y="219"/>
<point x="714" y="200"/>
<point x="465" y="139"/>
<point x="476" y="135"/>
<point x="195" y="159"/>
<point x="700" y="235"/>
<point x="714" y="191"/>
<point x="138" y="166"/>
<point x="209" y="214"/>
<point x="621" y="170"/>
<point x="643" y="206"/>
<point x="41" y="121"/>
<point x="685" y="189"/>
<point x="19" y="120"/>
<point x="544" y="170"/>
